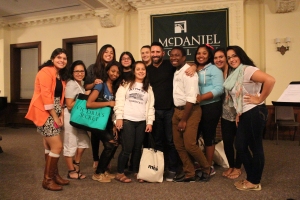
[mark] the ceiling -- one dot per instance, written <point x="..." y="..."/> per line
<point x="21" y="9"/>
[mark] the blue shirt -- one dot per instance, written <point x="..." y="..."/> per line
<point x="211" y="80"/>
<point x="106" y="94"/>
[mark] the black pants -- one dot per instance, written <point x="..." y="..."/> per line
<point x="108" y="152"/>
<point x="228" y="135"/>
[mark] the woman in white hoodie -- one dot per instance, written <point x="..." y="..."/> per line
<point x="134" y="112"/>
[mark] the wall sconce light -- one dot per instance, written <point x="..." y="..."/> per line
<point x="282" y="49"/>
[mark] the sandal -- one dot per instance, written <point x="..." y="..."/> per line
<point x="79" y="175"/>
<point x="227" y="172"/>
<point x="139" y="180"/>
<point x="122" y="178"/>
<point x="247" y="186"/>
<point x="234" y="174"/>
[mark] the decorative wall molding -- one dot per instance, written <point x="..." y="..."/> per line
<point x="285" y="6"/>
<point x="107" y="19"/>
<point x="48" y="20"/>
<point x="236" y="18"/>
<point x="118" y="5"/>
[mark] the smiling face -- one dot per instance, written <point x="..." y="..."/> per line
<point x="113" y="73"/>
<point x="60" y="61"/>
<point x="233" y="60"/>
<point x="220" y="59"/>
<point x="78" y="73"/>
<point x="126" y="61"/>
<point x="176" y="58"/>
<point x="157" y="54"/>
<point x="140" y="72"/>
<point x="145" y="54"/>
<point x="202" y="56"/>
<point x="108" y="55"/>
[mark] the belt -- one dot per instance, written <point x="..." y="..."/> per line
<point x="182" y="107"/>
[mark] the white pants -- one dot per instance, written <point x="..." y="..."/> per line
<point x="73" y="137"/>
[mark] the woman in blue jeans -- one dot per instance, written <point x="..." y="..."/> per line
<point x="246" y="89"/>
<point x="134" y="112"/>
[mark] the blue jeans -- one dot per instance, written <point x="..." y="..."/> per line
<point x="163" y="138"/>
<point x="132" y="141"/>
<point x="249" y="136"/>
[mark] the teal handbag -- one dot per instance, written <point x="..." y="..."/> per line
<point x="89" y="119"/>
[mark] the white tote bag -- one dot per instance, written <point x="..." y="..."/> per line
<point x="151" y="164"/>
<point x="220" y="156"/>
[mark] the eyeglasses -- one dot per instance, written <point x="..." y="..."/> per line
<point x="233" y="56"/>
<point x="79" y="71"/>
<point x="126" y="59"/>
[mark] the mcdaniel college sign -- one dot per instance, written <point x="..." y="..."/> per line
<point x="190" y="29"/>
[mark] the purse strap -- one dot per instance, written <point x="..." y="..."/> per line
<point x="79" y="87"/>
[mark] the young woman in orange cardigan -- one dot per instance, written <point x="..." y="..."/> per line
<point x="45" y="111"/>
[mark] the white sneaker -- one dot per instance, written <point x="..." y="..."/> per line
<point x="212" y="171"/>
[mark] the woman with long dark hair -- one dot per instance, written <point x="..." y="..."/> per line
<point x="244" y="86"/>
<point x="95" y="75"/>
<point x="75" y="140"/>
<point x="126" y="60"/>
<point x="228" y="126"/>
<point x="46" y="112"/>
<point x="210" y="89"/>
<point x="134" y="112"/>
<point x="109" y="137"/>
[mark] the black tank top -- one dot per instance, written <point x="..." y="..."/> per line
<point x="58" y="88"/>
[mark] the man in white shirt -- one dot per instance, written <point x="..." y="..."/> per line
<point x="186" y="118"/>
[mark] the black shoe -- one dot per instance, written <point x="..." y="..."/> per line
<point x="184" y="179"/>
<point x="179" y="175"/>
<point x="204" y="177"/>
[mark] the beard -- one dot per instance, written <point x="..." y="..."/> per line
<point x="160" y="58"/>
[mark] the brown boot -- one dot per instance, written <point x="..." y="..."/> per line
<point x="57" y="178"/>
<point x="48" y="182"/>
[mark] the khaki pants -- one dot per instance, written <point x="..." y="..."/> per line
<point x="186" y="142"/>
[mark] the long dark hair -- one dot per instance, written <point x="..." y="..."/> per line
<point x="63" y="73"/>
<point x="223" y="50"/>
<point x="99" y="66"/>
<point x="241" y="54"/>
<point x="210" y="54"/>
<point x="130" y="56"/>
<point x="132" y="77"/>
<point x="73" y="65"/>
<point x="116" y="82"/>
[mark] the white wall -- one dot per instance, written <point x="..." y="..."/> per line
<point x="285" y="68"/>
<point x="252" y="25"/>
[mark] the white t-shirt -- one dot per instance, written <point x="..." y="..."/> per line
<point x="135" y="103"/>
<point x="72" y="89"/>
<point x="249" y="87"/>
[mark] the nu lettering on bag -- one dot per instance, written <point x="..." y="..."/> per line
<point x="153" y="167"/>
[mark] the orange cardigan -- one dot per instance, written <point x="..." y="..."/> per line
<point x="43" y="96"/>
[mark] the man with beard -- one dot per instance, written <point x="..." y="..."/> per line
<point x="161" y="74"/>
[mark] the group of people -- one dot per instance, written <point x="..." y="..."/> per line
<point x="174" y="100"/>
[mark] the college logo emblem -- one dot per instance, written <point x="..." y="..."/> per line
<point x="180" y="27"/>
